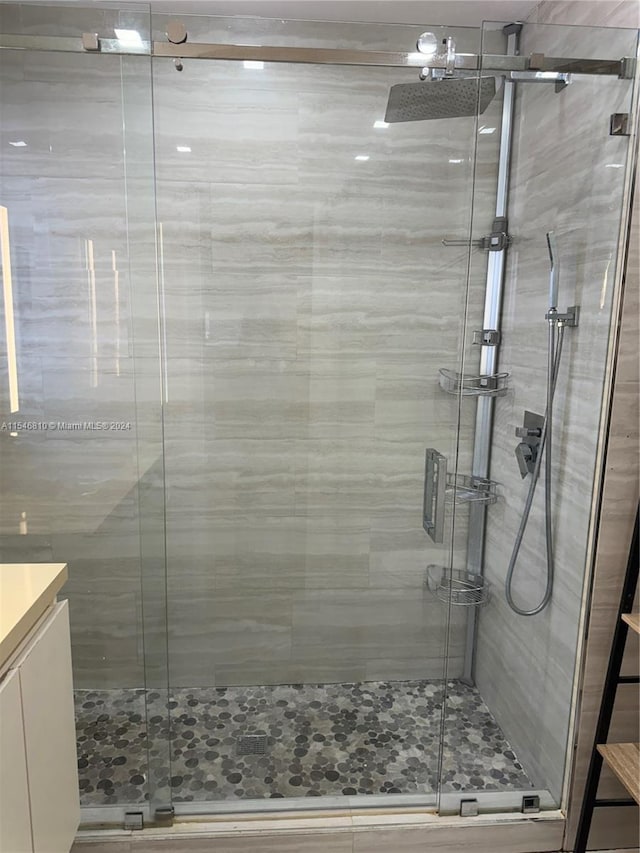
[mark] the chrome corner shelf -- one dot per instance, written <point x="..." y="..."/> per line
<point x="470" y="385"/>
<point x="457" y="586"/>
<point x="465" y="489"/>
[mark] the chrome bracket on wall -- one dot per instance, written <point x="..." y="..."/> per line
<point x="571" y="317"/>
<point x="499" y="239"/>
<point x="561" y="80"/>
<point x="486" y="337"/>
<point x="496" y="241"/>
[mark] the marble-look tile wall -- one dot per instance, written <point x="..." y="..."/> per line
<point x="610" y="827"/>
<point x="309" y="305"/>
<point x="567" y="175"/>
<point x="621" y="491"/>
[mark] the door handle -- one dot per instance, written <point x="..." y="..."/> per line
<point x="435" y="484"/>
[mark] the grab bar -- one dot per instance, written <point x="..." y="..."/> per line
<point x="435" y="483"/>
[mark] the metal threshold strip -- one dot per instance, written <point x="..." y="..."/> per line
<point x="624" y="68"/>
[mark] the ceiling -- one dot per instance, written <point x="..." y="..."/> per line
<point x="468" y="13"/>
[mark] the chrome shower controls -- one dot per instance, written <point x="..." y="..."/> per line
<point x="531" y="434"/>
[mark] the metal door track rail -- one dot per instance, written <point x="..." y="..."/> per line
<point x="92" y="43"/>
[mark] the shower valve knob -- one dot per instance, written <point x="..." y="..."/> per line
<point x="530" y="434"/>
<point x="526" y="459"/>
<point x="527" y="432"/>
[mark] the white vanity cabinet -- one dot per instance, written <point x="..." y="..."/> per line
<point x="15" y="815"/>
<point x="39" y="802"/>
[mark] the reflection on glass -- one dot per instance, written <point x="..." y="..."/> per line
<point x="9" y="320"/>
<point x="116" y="296"/>
<point x="93" y="312"/>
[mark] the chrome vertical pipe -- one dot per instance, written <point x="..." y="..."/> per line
<point x="489" y="361"/>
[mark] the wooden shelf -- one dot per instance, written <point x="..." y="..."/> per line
<point x="624" y="760"/>
<point x="632" y="620"/>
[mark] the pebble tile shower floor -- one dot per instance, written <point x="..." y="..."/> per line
<point x="370" y="738"/>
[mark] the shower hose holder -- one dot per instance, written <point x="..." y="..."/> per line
<point x="570" y="318"/>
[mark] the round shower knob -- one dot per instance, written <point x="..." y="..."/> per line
<point x="427" y="44"/>
<point x="176" y="32"/>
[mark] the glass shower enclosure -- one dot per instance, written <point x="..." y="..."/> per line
<point x="309" y="303"/>
<point x="270" y="346"/>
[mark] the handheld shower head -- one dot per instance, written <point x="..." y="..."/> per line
<point x="554" y="274"/>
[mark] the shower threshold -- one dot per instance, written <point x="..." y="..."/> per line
<point x="235" y="744"/>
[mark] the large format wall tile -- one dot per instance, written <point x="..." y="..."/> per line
<point x="310" y="303"/>
<point x="367" y="624"/>
<point x="566" y="177"/>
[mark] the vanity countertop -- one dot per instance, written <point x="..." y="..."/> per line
<point x="26" y="591"/>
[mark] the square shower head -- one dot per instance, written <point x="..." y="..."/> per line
<point x="448" y="98"/>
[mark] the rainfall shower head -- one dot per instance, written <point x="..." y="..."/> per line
<point x="448" y="98"/>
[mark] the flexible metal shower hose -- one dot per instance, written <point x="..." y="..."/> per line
<point x="553" y="366"/>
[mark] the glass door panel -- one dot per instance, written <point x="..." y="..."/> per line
<point x="310" y="302"/>
<point x="81" y="440"/>
<point x="568" y="176"/>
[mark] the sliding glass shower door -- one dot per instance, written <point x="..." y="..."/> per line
<point x="81" y="453"/>
<point x="314" y="286"/>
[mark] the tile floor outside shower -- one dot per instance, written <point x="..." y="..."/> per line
<point x="303" y="741"/>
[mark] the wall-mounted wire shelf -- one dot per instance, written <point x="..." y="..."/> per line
<point x="457" y="586"/>
<point x="471" y="385"/>
<point x="465" y="489"/>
